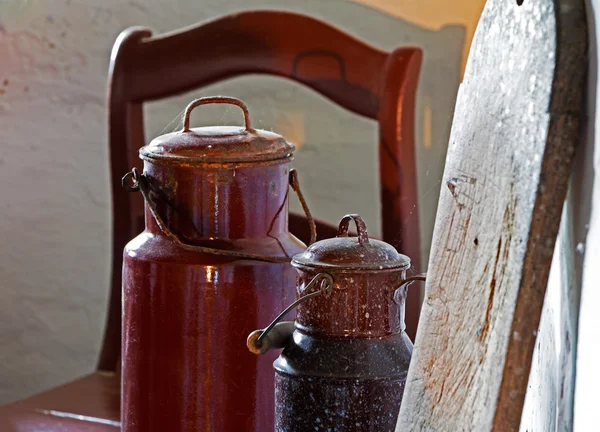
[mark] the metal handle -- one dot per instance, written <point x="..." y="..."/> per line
<point x="361" y="228"/>
<point x="312" y="226"/>
<point x="326" y="283"/>
<point x="420" y="277"/>
<point x="215" y="100"/>
<point x="278" y="337"/>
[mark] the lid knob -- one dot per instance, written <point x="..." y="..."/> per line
<point x="361" y="228"/>
<point x="215" y="100"/>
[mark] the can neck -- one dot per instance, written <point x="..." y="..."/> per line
<point x="200" y="203"/>
<point x="366" y="305"/>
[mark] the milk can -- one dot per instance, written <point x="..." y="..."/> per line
<point x="213" y="260"/>
<point x="344" y="361"/>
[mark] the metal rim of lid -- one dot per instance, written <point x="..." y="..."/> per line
<point x="336" y="268"/>
<point x="284" y="155"/>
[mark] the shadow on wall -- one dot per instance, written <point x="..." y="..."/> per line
<point x="337" y="157"/>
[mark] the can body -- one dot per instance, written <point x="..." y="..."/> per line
<point x="349" y="384"/>
<point x="186" y="314"/>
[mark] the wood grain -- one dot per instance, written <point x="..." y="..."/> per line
<point x="515" y="128"/>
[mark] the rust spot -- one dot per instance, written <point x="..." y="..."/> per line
<point x="486" y="322"/>
<point x="498" y="254"/>
<point x="448" y="237"/>
<point x="442" y="390"/>
<point x="5" y="82"/>
<point x="170" y="184"/>
<point x="452" y="186"/>
<point x="2" y="91"/>
<point x="26" y="89"/>
<point x="466" y="229"/>
<point x="223" y="177"/>
<point x="429" y="366"/>
<point x="51" y="45"/>
<point x="470" y="383"/>
<point x="507" y="231"/>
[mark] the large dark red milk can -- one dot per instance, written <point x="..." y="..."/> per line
<point x="344" y="361"/>
<point x="213" y="260"/>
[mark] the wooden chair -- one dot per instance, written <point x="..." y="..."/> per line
<point x="356" y="76"/>
<point x="364" y="80"/>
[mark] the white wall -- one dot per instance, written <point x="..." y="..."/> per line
<point x="54" y="195"/>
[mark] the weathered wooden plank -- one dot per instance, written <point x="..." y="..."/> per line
<point x="515" y="127"/>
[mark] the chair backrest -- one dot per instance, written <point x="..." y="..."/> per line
<point x="367" y="81"/>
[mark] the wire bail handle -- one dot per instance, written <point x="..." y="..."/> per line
<point x="216" y="100"/>
<point x="325" y="281"/>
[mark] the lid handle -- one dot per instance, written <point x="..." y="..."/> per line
<point x="361" y="227"/>
<point x="215" y="100"/>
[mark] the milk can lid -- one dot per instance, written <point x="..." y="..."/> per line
<point x="217" y="144"/>
<point x="352" y="253"/>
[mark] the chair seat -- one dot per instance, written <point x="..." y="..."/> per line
<point x="89" y="404"/>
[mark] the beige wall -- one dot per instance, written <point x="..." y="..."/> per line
<point x="435" y="14"/>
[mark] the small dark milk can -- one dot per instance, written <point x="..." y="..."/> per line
<point x="214" y="259"/>
<point x="345" y="359"/>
